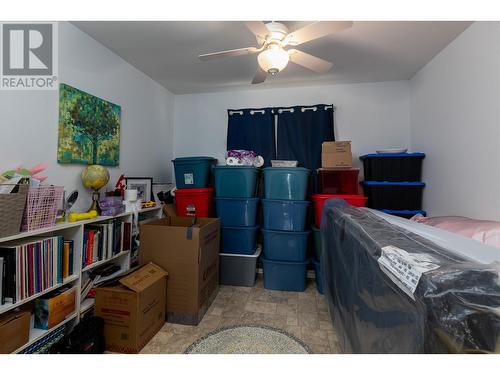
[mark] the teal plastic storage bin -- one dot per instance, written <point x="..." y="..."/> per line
<point x="237" y="212"/>
<point x="238" y="240"/>
<point x="318" y="275"/>
<point x="318" y="249"/>
<point x="235" y="182"/>
<point x="286" y="183"/>
<point x="284" y="214"/>
<point x="193" y="172"/>
<point x="285" y="245"/>
<point x="287" y="276"/>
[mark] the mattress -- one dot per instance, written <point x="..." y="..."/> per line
<point x="390" y="290"/>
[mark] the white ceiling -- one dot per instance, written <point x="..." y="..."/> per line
<point x="367" y="52"/>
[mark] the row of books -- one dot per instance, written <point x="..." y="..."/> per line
<point x="103" y="241"/>
<point x="30" y="267"/>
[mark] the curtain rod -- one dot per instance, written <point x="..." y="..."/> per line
<point x="281" y="110"/>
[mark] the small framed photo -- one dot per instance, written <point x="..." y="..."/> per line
<point x="144" y="186"/>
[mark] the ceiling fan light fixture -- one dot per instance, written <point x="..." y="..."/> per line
<point x="273" y="59"/>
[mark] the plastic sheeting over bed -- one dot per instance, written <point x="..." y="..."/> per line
<point x="392" y="291"/>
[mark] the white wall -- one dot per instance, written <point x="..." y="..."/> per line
<point x="455" y="119"/>
<point x="372" y="115"/>
<point x="29" y="119"/>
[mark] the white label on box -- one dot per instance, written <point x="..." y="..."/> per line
<point x="405" y="269"/>
<point x="188" y="179"/>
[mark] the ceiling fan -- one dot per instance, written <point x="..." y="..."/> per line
<point x="273" y="37"/>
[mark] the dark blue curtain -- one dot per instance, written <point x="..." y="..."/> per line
<point x="301" y="131"/>
<point x="252" y="129"/>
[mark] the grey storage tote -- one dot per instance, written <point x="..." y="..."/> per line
<point x="238" y="269"/>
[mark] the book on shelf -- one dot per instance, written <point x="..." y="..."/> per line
<point x="30" y="267"/>
<point x="104" y="240"/>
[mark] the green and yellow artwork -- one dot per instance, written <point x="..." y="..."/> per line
<point x="89" y="128"/>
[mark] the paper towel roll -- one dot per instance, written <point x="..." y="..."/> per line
<point x="130" y="195"/>
<point x="258" y="161"/>
<point x="233" y="161"/>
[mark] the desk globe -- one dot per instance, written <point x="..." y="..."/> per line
<point x="95" y="177"/>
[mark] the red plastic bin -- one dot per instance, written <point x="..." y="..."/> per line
<point x="194" y="202"/>
<point x="338" y="180"/>
<point x="319" y="201"/>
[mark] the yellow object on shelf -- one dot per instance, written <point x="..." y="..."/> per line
<point x="76" y="216"/>
<point x="148" y="204"/>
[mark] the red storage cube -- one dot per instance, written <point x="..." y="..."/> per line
<point x="338" y="180"/>
<point x="319" y="201"/>
<point x="194" y="202"/>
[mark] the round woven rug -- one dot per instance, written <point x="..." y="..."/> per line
<point x="248" y="340"/>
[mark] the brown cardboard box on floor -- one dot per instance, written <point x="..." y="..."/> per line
<point x="336" y="154"/>
<point x="14" y="330"/>
<point x="190" y="255"/>
<point x="133" y="308"/>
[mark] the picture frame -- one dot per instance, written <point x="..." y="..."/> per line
<point x="144" y="186"/>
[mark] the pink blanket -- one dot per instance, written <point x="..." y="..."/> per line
<point x="487" y="232"/>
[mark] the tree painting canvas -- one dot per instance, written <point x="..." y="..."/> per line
<point x="89" y="128"/>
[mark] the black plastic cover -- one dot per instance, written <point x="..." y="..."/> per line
<point x="455" y="308"/>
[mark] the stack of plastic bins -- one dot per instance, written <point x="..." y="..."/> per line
<point x="284" y="234"/>
<point x="393" y="183"/>
<point x="236" y="207"/>
<point x="193" y="196"/>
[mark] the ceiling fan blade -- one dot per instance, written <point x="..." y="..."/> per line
<point x="259" y="77"/>
<point x="258" y="28"/>
<point x="316" y="30"/>
<point x="309" y="61"/>
<point x="228" y="53"/>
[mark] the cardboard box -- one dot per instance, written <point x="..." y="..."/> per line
<point x="336" y="154"/>
<point x="169" y="210"/>
<point x="53" y="308"/>
<point x="14" y="330"/>
<point x="190" y="255"/>
<point x="133" y="308"/>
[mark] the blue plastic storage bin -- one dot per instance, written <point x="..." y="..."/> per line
<point x="193" y="172"/>
<point x="286" y="183"/>
<point x="235" y="182"/>
<point x="237" y="212"/>
<point x="287" y="276"/>
<point x="284" y="214"/>
<point x="238" y="240"/>
<point x="285" y="245"/>
<point x="318" y="275"/>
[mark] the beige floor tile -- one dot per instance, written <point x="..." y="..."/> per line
<point x="292" y="321"/>
<point x="308" y="320"/>
<point x="326" y="325"/>
<point x="229" y="321"/>
<point x="286" y="309"/>
<point x="320" y="348"/>
<point x="215" y="310"/>
<point x="261" y="307"/>
<point x="306" y="306"/>
<point x="324" y="315"/>
<point x="314" y="335"/>
<point x="334" y="342"/>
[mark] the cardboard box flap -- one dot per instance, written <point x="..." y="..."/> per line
<point x="144" y="277"/>
<point x="8" y="318"/>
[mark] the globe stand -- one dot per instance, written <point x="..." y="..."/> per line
<point x="95" y="202"/>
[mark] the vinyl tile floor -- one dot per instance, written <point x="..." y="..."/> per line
<point x="302" y="314"/>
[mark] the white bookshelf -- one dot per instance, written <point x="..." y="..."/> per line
<point x="74" y="231"/>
